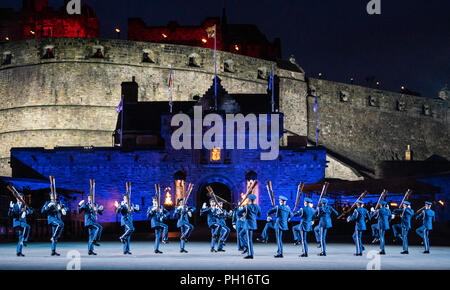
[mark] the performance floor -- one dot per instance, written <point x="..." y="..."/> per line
<point x="110" y="257"/>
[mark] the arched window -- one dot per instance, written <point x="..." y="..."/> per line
<point x="194" y="60"/>
<point x="180" y="184"/>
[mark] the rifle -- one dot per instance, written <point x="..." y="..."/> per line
<point x="211" y="193"/>
<point x="270" y="191"/>
<point x="249" y="191"/>
<point x="324" y="191"/>
<point x="92" y="182"/>
<point x="382" y="197"/>
<point x="128" y="184"/>
<point x="406" y="197"/>
<point x="158" y="196"/>
<point x="219" y="198"/>
<point x="188" y="193"/>
<point x="360" y="198"/>
<point x="299" y="195"/>
<point x="17" y="195"/>
<point x="53" y="188"/>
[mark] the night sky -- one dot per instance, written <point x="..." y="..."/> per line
<point x="408" y="44"/>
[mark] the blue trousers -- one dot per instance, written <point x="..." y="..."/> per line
<point x="357" y="237"/>
<point x="24" y="233"/>
<point x="215" y="228"/>
<point x="382" y="240"/>
<point x="186" y="231"/>
<point x="57" y="228"/>
<point x="296" y="232"/>
<point x="243" y="238"/>
<point x="129" y="229"/>
<point x="224" y="233"/>
<point x="249" y="235"/>
<point x="303" y="237"/>
<point x="265" y="234"/>
<point x="405" y="238"/>
<point x="317" y="233"/>
<point x="376" y="231"/>
<point x="160" y="229"/>
<point x="423" y="233"/>
<point x="279" y="236"/>
<point x="397" y="230"/>
<point x="323" y="236"/>
<point x="95" y="232"/>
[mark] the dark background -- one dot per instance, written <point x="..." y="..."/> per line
<point x="408" y="44"/>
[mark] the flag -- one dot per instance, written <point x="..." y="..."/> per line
<point x="120" y="107"/>
<point x="170" y="82"/>
<point x="211" y="31"/>
<point x="315" y="105"/>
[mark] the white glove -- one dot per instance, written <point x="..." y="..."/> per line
<point x="241" y="207"/>
<point x="234" y="226"/>
<point x="189" y="214"/>
<point x="123" y="203"/>
<point x="11" y="204"/>
<point x="372" y="209"/>
<point x="24" y="214"/>
<point x="204" y="205"/>
<point x="136" y="207"/>
<point x="393" y="216"/>
<point x="179" y="207"/>
<point x="81" y="203"/>
<point x="312" y="222"/>
<point x="269" y="218"/>
<point x="348" y="219"/>
<point x="100" y="208"/>
<point x="63" y="211"/>
<point x="59" y="207"/>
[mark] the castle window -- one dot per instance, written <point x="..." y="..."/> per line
<point x="194" y="60"/>
<point x="262" y="73"/>
<point x="180" y="184"/>
<point x="7" y="58"/>
<point x="228" y="66"/>
<point x="426" y="110"/>
<point x="98" y="51"/>
<point x="401" y="106"/>
<point x="343" y="96"/>
<point x="148" y="56"/>
<point x="215" y="155"/>
<point x="372" y="101"/>
<point x="49" y="52"/>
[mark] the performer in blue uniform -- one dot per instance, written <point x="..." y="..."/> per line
<point x="127" y="222"/>
<point x="238" y="222"/>
<point x="406" y="213"/>
<point x="18" y="212"/>
<point x="383" y="215"/>
<point x="250" y="213"/>
<point x="428" y="217"/>
<point x="270" y="225"/>
<point x="183" y="213"/>
<point x="212" y="221"/>
<point x="54" y="209"/>
<point x="157" y="216"/>
<point x="222" y="216"/>
<point x="317" y="235"/>
<point x="91" y="210"/>
<point x="283" y="214"/>
<point x="359" y="216"/>
<point x="375" y="233"/>
<point x="324" y="212"/>
<point x="301" y="230"/>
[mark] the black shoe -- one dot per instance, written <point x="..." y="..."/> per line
<point x="20" y="255"/>
<point x="158" y="252"/>
<point x="245" y="251"/>
<point x="404" y="253"/>
<point x="92" y="253"/>
<point x="220" y="250"/>
<point x="319" y="246"/>
<point x="364" y="249"/>
<point x="357" y="254"/>
<point x="213" y="250"/>
<point x="382" y="253"/>
<point x="24" y="244"/>
<point x="183" y="251"/>
<point x="248" y="257"/>
<point x="278" y="256"/>
<point x="322" y="254"/>
<point x="165" y="241"/>
<point x="96" y="244"/>
<point x="426" y="252"/>
<point x="54" y="253"/>
<point x="125" y="253"/>
<point x="303" y="255"/>
<point x="129" y="253"/>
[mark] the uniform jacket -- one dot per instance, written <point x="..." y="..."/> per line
<point x="406" y="215"/>
<point x="221" y="216"/>
<point x="156" y="216"/>
<point x="238" y="219"/>
<point x="182" y="215"/>
<point x="428" y="217"/>
<point x="16" y="212"/>
<point x="52" y="211"/>
<point x="324" y="214"/>
<point x="283" y="214"/>
<point x="251" y="211"/>
<point x="383" y="215"/>
<point x="126" y="218"/>
<point x="306" y="214"/>
<point x="90" y="215"/>
<point x="210" y="214"/>
<point x="359" y="215"/>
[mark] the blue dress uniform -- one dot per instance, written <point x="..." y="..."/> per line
<point x="265" y="233"/>
<point x="300" y="231"/>
<point x="250" y="213"/>
<point x="428" y="217"/>
<point x="375" y="232"/>
<point x="18" y="212"/>
<point x="212" y="223"/>
<point x="182" y="214"/>
<point x="324" y="214"/>
<point x="405" y="225"/>
<point x="359" y="215"/>
<point x="157" y="219"/>
<point x="283" y="214"/>
<point x="53" y="210"/>
<point x="238" y="221"/>
<point x="127" y="222"/>
<point x="224" y="231"/>
<point x="383" y="215"/>
<point x="90" y="222"/>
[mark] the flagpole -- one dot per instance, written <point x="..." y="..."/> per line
<point x="215" y="67"/>
<point x="171" y="89"/>
<point x="273" y="88"/>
